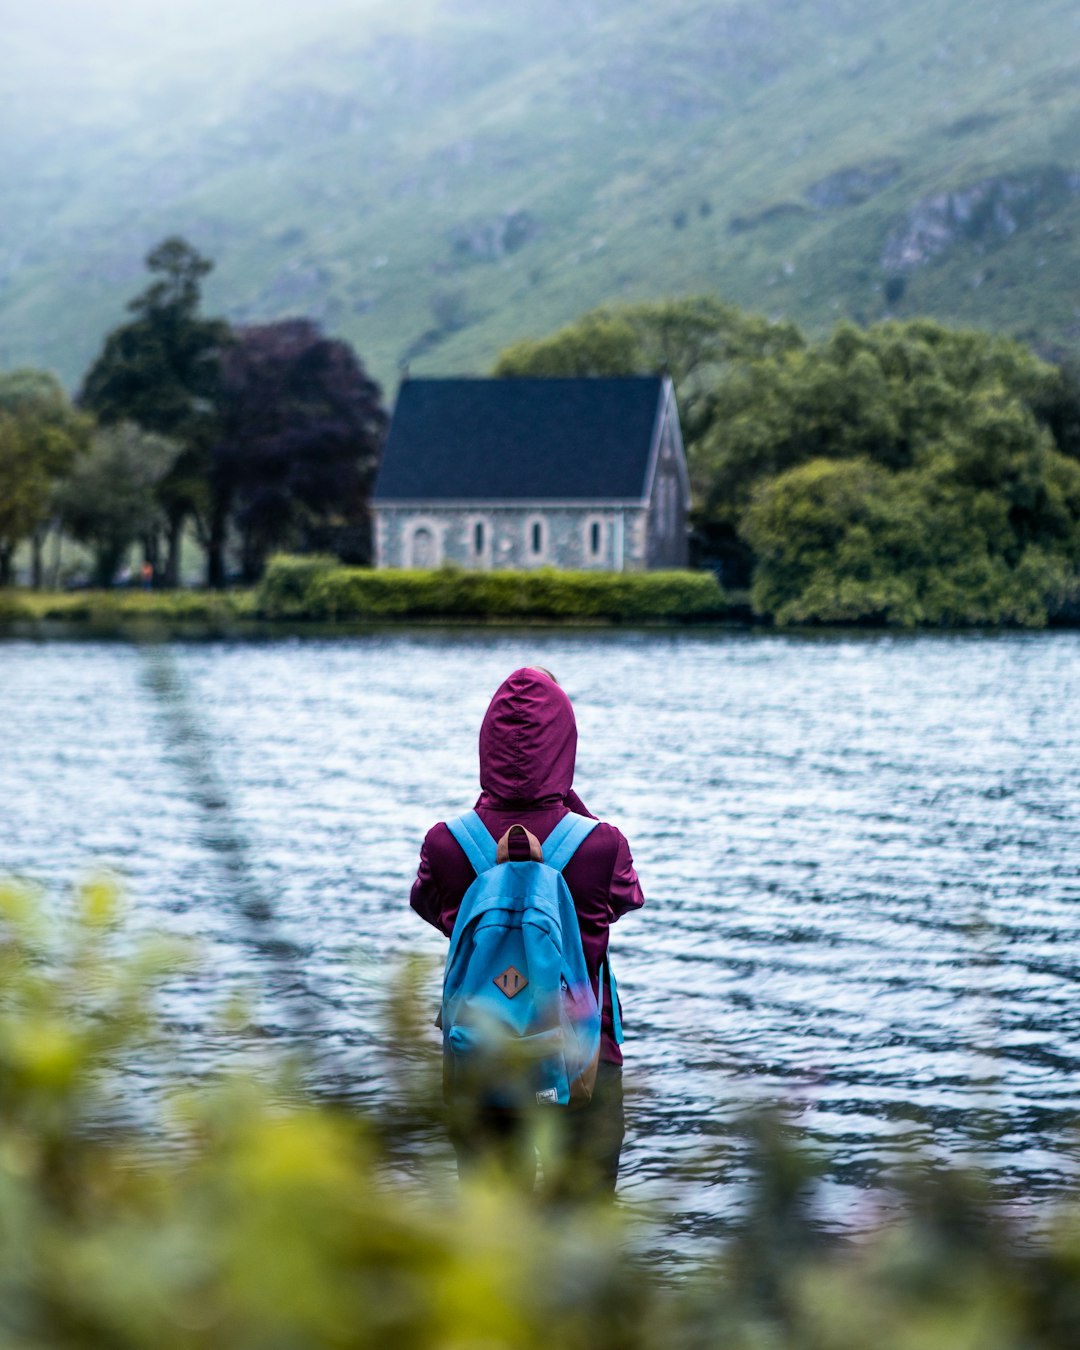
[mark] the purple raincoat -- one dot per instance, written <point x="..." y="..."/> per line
<point x="528" y="744"/>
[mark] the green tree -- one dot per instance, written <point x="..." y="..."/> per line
<point x="839" y="541"/>
<point x="111" y="499"/>
<point x="41" y="435"/>
<point x="686" y="337"/>
<point x="161" y="370"/>
<point x="302" y="431"/>
<point x="984" y="529"/>
<point x="1059" y="408"/>
<point x="602" y="342"/>
<point x="885" y="393"/>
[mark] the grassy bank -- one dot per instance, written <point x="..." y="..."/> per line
<point x="303" y="589"/>
<point x="303" y="592"/>
<point x="310" y="588"/>
<point x="119" y="606"/>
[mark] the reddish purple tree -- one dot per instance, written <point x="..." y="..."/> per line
<point x="302" y="430"/>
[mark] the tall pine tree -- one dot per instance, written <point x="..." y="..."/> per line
<point x="161" y="370"/>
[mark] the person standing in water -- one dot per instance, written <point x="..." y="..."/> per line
<point x="528" y="746"/>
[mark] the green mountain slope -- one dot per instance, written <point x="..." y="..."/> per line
<point x="433" y="181"/>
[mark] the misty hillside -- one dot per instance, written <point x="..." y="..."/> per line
<point x="435" y="180"/>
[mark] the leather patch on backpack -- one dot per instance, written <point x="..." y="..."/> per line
<point x="519" y="845"/>
<point x="511" y="981"/>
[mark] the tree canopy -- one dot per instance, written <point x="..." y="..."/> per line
<point x="302" y="426"/>
<point x="110" y="500"/>
<point x="907" y="473"/>
<point x="278" y="427"/>
<point x="41" y="436"/>
<point x="161" y="370"/>
<point x="695" y="340"/>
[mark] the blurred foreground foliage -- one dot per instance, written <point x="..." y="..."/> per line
<point x="248" y="1215"/>
<point x="314" y="588"/>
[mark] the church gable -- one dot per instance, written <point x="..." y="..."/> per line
<point x="667" y="494"/>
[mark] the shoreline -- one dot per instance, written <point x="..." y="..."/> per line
<point x="306" y="594"/>
<point x="315" y="596"/>
<point x="142" y="616"/>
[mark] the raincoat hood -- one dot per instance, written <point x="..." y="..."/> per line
<point x="528" y="742"/>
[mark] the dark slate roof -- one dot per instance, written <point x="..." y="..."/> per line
<point x="513" y="439"/>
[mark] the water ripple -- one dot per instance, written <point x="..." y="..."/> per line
<point x="860" y="856"/>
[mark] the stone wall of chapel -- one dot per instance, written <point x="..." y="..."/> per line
<point x="668" y="509"/>
<point x="511" y="537"/>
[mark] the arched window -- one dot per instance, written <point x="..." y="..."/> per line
<point x="593" y="538"/>
<point x="536" y="537"/>
<point x="422" y="550"/>
<point x="478" y="537"/>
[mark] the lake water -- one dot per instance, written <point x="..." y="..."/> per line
<point x="860" y="857"/>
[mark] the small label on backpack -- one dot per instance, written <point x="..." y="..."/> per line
<point x="549" y="1097"/>
<point x="511" y="981"/>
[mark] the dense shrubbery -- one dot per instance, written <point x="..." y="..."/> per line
<point x="306" y="588"/>
<point x="904" y="475"/>
<point x="320" y="588"/>
<point x="244" y="1215"/>
<point x="846" y="540"/>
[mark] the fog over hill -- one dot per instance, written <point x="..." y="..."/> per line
<point x="434" y="179"/>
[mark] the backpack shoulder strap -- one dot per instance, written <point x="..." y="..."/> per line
<point x="562" y="843"/>
<point x="478" y="845"/>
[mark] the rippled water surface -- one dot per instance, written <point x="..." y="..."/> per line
<point x="860" y="858"/>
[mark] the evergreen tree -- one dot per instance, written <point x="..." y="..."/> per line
<point x="161" y="370"/>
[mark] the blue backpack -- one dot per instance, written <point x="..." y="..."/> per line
<point x="520" y="1021"/>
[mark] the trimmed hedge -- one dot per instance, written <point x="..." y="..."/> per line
<point x="318" y="589"/>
